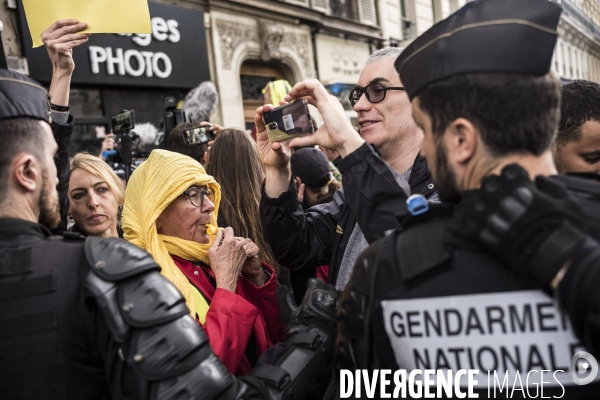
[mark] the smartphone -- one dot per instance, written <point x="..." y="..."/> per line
<point x="123" y="122"/>
<point x="197" y="135"/>
<point x="288" y="121"/>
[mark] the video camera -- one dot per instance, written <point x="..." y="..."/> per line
<point x="122" y="124"/>
<point x="173" y="116"/>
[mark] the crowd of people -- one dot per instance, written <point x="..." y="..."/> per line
<point x="242" y="268"/>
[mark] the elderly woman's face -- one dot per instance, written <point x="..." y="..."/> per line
<point x="187" y="216"/>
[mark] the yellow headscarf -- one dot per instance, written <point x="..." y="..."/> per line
<point x="154" y="185"/>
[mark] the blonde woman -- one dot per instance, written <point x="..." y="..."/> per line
<point x="96" y="194"/>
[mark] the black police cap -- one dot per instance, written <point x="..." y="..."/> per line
<point x="21" y="96"/>
<point x="485" y="36"/>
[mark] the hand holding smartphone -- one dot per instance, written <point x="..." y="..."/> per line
<point x="288" y="121"/>
<point x="197" y="135"/>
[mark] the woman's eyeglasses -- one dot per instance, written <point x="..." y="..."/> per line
<point x="375" y="93"/>
<point x="196" y="196"/>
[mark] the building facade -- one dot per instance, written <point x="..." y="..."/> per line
<point x="577" y="53"/>
<point x="240" y="45"/>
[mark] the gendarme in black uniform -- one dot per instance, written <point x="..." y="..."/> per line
<point x="94" y="318"/>
<point x="429" y="296"/>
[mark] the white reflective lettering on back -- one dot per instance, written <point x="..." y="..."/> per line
<point x="510" y="331"/>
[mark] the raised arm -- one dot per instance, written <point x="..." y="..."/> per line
<point x="60" y="39"/>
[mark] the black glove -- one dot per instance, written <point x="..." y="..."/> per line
<point x="531" y="227"/>
<point x="318" y="307"/>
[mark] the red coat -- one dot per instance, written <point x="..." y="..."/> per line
<point x="232" y="317"/>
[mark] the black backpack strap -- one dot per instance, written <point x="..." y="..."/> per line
<point x="421" y="248"/>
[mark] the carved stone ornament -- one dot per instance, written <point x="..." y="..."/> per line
<point x="231" y="35"/>
<point x="271" y="37"/>
<point x="300" y="45"/>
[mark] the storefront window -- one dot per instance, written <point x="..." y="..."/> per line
<point x="86" y="103"/>
<point x="87" y="138"/>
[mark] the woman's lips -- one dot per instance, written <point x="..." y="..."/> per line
<point x="96" y="217"/>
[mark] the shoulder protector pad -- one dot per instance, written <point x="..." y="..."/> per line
<point x="207" y="381"/>
<point x="105" y="294"/>
<point x="169" y="350"/>
<point x="150" y="300"/>
<point x="115" y="259"/>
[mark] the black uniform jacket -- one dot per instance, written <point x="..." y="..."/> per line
<point x="371" y="196"/>
<point x="428" y="297"/>
<point x="45" y="340"/>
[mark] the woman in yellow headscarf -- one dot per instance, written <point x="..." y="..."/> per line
<point x="170" y="210"/>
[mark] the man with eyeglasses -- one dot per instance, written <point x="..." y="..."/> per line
<point x="380" y="166"/>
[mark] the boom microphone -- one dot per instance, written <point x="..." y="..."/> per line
<point x="200" y="102"/>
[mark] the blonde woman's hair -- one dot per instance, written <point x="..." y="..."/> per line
<point x="101" y="170"/>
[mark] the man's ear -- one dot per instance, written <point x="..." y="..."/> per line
<point x="204" y="158"/>
<point x="26" y="171"/>
<point x="461" y="140"/>
<point x="297" y="181"/>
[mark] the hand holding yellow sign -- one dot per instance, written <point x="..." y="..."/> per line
<point x="102" y="16"/>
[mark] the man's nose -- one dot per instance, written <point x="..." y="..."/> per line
<point x="362" y="104"/>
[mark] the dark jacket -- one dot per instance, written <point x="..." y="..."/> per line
<point x="62" y="135"/>
<point x="429" y="297"/>
<point x="371" y="196"/>
<point x="46" y="350"/>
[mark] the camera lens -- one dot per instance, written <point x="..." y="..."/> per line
<point x="272" y="126"/>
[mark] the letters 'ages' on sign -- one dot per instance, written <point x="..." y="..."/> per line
<point x="102" y="16"/>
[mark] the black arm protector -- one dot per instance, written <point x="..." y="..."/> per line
<point x="579" y="297"/>
<point x="162" y="351"/>
<point x="295" y="368"/>
<point x="153" y="348"/>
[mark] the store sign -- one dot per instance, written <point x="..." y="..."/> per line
<point x="174" y="56"/>
<point x="339" y="60"/>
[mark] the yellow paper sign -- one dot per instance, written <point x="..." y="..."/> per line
<point x="102" y="16"/>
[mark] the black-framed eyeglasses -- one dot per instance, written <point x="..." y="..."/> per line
<point x="375" y="93"/>
<point x="197" y="195"/>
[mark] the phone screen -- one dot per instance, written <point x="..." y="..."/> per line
<point x="288" y="121"/>
<point x="123" y="122"/>
<point x="194" y="136"/>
